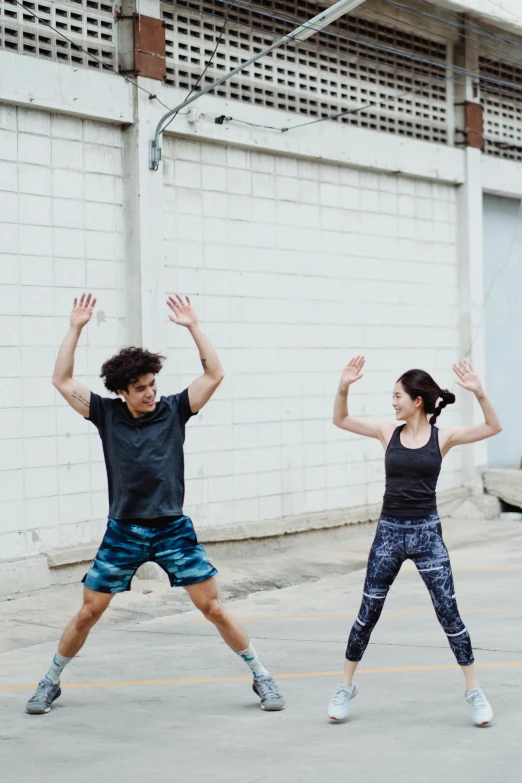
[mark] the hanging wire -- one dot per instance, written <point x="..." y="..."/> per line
<point x="456" y="72"/>
<point x="474" y="43"/>
<point x="223" y="118"/>
<point x="261" y="10"/>
<point x="392" y="50"/>
<point x="370" y="105"/>
<point x="458" y="25"/>
<point x="200" y="77"/>
<point x="504" y="10"/>
<point x="278" y="18"/>
<point x="79" y="48"/>
<point x="361" y="41"/>
<point x="488" y="47"/>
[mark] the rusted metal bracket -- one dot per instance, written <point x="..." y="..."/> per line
<point x="148" y="50"/>
<point x="473" y="133"/>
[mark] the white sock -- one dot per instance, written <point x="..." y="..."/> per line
<point x="57" y="666"/>
<point x="250" y="658"/>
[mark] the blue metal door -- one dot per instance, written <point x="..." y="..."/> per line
<point x="503" y="324"/>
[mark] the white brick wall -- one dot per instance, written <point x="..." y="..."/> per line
<point x="295" y="266"/>
<point x="61" y="228"/>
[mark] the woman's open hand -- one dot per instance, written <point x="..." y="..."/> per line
<point x="352" y="371"/>
<point x="467" y="377"/>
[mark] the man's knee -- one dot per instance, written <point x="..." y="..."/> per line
<point x="214" y="610"/>
<point x="89" y="615"/>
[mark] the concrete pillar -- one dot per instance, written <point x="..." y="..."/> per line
<point x="146" y="311"/>
<point x="466" y="88"/>
<point x="470" y="245"/>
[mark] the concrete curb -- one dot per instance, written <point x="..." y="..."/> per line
<point x="504" y="484"/>
<point x="66" y="566"/>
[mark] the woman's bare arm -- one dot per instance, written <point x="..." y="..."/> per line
<point x="371" y="428"/>
<point x="458" y="436"/>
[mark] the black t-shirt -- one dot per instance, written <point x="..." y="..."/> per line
<point x="143" y="457"/>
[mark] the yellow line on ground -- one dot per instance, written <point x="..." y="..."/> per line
<point x="348" y="616"/>
<point x="248" y="678"/>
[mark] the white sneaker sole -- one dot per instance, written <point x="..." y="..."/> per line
<point x="38" y="712"/>
<point x="484" y="722"/>
<point x="272" y="709"/>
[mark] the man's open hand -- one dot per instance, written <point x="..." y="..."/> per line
<point x="82" y="310"/>
<point x="181" y="311"/>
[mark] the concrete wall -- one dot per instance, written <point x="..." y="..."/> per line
<point x="299" y="249"/>
<point x="296" y="266"/>
<point x="61" y="228"/>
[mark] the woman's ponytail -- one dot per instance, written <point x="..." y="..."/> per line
<point x="446" y="398"/>
<point x="418" y="383"/>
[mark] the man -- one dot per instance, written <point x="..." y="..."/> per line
<point x="143" y="447"/>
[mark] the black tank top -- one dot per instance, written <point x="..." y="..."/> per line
<point x="411" y="477"/>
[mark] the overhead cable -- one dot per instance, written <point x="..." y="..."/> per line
<point x="200" y="77"/>
<point x="369" y="44"/>
<point x="458" y="25"/>
<point x="79" y="48"/>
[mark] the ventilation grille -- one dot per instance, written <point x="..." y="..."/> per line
<point x="502" y="113"/>
<point x="320" y="77"/>
<point x="88" y="23"/>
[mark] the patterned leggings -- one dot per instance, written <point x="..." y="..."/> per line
<point x="419" y="540"/>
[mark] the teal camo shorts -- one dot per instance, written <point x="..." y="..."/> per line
<point x="125" y="547"/>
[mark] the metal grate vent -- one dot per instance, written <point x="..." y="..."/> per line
<point x="89" y="23"/>
<point x="502" y="112"/>
<point x="317" y="78"/>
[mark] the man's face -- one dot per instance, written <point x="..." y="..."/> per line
<point x="140" y="396"/>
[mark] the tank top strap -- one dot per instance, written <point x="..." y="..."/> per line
<point x="395" y="439"/>
<point x="434" y="440"/>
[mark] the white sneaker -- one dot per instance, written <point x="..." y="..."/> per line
<point x="481" y="711"/>
<point x="338" y="707"/>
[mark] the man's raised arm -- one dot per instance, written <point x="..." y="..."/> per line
<point x="201" y="390"/>
<point x="77" y="395"/>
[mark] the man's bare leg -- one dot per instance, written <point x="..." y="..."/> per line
<point x="77" y="631"/>
<point x="205" y="597"/>
<point x="73" y="639"/>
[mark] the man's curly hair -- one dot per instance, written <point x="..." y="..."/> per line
<point x="126" y="367"/>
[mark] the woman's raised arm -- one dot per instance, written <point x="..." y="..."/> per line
<point x="458" y="436"/>
<point x="371" y="428"/>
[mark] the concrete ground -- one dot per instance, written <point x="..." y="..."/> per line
<point x="156" y="694"/>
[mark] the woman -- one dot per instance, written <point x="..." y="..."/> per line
<point x="409" y="526"/>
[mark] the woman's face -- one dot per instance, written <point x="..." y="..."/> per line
<point x="403" y="404"/>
